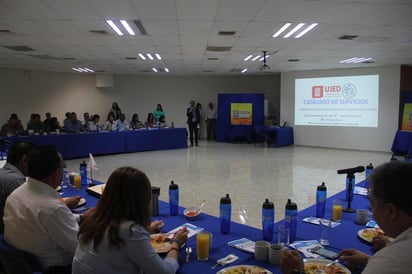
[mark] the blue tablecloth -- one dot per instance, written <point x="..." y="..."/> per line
<point x="402" y="143"/>
<point x="343" y="236"/>
<point x="100" y="143"/>
<point x="283" y="136"/>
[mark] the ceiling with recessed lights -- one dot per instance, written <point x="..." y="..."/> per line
<point x="203" y="37"/>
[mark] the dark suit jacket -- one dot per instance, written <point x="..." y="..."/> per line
<point x="189" y="114"/>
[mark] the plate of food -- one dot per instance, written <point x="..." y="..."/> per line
<point x="160" y="242"/>
<point x="368" y="234"/>
<point x="244" y="269"/>
<point x="318" y="266"/>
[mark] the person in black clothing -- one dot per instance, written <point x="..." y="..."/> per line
<point x="193" y="119"/>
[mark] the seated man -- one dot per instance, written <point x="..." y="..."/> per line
<point x="12" y="127"/>
<point x="35" y="220"/>
<point x="72" y="125"/>
<point x="390" y="202"/>
<point x="35" y="123"/>
<point x="13" y="173"/>
<point x="122" y="123"/>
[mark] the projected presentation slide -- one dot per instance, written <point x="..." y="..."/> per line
<point x="241" y="113"/>
<point x="337" y="101"/>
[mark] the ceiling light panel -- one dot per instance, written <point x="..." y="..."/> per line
<point x="298" y="30"/>
<point x="122" y="27"/>
<point x="355" y="60"/>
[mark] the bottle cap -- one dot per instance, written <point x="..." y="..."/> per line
<point x="291" y="206"/>
<point x="173" y="185"/>
<point x="322" y="187"/>
<point x="267" y="204"/>
<point x="225" y="200"/>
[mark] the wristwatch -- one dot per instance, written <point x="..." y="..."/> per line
<point x="298" y="271"/>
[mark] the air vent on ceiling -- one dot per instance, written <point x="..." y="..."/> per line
<point x="207" y="70"/>
<point x="212" y="58"/>
<point x="69" y="58"/>
<point x="147" y="70"/>
<point x="139" y="25"/>
<point x="98" y="32"/>
<point x="130" y="58"/>
<point x="45" y="57"/>
<point x="100" y="70"/>
<point x="4" y="31"/>
<point x="348" y="37"/>
<point x="19" y="48"/>
<point x="369" y="62"/>
<point x="227" y="33"/>
<point x="218" y="49"/>
<point x="293" y="60"/>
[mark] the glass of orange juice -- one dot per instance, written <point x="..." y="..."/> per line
<point x="337" y="210"/>
<point x="203" y="245"/>
<point x="77" y="181"/>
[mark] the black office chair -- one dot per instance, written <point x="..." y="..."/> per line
<point x="13" y="260"/>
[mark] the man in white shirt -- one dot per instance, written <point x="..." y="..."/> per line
<point x="211" y="122"/>
<point x="35" y="220"/>
<point x="392" y="210"/>
<point x="122" y="123"/>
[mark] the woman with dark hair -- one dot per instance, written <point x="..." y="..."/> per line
<point x="158" y="112"/>
<point x="115" y="237"/>
<point x="150" y="122"/>
<point x="115" y="110"/>
<point x="135" y="122"/>
<point x="110" y="124"/>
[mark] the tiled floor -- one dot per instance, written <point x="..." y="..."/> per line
<point x="247" y="172"/>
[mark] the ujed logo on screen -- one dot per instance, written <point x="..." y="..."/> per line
<point x="317" y="91"/>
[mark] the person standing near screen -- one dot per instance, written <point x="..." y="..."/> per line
<point x="211" y="122"/>
<point x="193" y="119"/>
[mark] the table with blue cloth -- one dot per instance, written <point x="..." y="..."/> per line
<point x="402" y="143"/>
<point x="340" y="237"/>
<point x="102" y="143"/>
<point x="282" y="136"/>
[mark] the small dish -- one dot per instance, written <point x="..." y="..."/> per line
<point x="191" y="213"/>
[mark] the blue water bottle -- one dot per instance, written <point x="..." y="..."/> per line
<point x="174" y="198"/>
<point x="97" y="128"/>
<point x="368" y="171"/>
<point x="320" y="200"/>
<point x="83" y="173"/>
<point x="350" y="185"/>
<point x="225" y="209"/>
<point x="268" y="218"/>
<point x="291" y="218"/>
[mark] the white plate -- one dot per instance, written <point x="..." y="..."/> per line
<point x="323" y="262"/>
<point x="161" y="247"/>
<point x="364" y="235"/>
<point x="243" y="269"/>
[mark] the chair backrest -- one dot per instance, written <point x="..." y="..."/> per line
<point x="13" y="260"/>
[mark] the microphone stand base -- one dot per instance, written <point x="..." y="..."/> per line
<point x="348" y="210"/>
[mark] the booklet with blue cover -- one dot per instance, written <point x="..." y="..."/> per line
<point x="243" y="244"/>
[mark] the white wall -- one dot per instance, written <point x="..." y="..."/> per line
<point x="373" y="139"/>
<point x="26" y="92"/>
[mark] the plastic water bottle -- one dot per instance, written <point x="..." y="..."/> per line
<point x="173" y="124"/>
<point x="368" y="171"/>
<point x="117" y="127"/>
<point x="268" y="218"/>
<point x="291" y="218"/>
<point x="225" y="210"/>
<point x="174" y="198"/>
<point x="83" y="173"/>
<point x="320" y="200"/>
<point x="350" y="178"/>
<point x="97" y="128"/>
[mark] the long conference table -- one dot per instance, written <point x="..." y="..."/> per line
<point x="101" y="143"/>
<point x="340" y="237"/>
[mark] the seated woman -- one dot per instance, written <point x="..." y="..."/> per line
<point x="93" y="124"/>
<point x="150" y="120"/>
<point x="135" y="122"/>
<point x="110" y="124"/>
<point x="115" y="237"/>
